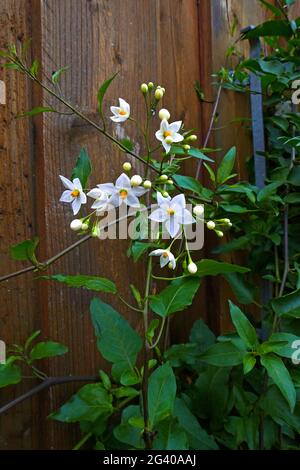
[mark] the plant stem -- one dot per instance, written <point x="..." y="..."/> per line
<point x="82" y="441"/>
<point x="130" y="306"/>
<point x="49" y="382"/>
<point x="159" y="334"/>
<point x="147" y="432"/>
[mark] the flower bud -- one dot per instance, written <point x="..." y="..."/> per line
<point x="192" y="138"/>
<point x="186" y="147"/>
<point x="85" y="227"/>
<point x="150" y="85"/>
<point x="163" y="89"/>
<point x="198" y="210"/>
<point x="164" y="114"/>
<point x="147" y="184"/>
<point x="210" y="225"/>
<point x="192" y="268"/>
<point x="170" y="182"/>
<point x="165" y="194"/>
<point x="169" y="140"/>
<point x="158" y="94"/>
<point x="163" y="177"/>
<point x="144" y="88"/>
<point x="127" y="166"/>
<point x="170" y="266"/>
<point x="136" y="180"/>
<point x="230" y="224"/>
<point x="219" y="233"/>
<point x="76" y="225"/>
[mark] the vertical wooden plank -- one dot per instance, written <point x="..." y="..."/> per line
<point x="18" y="308"/>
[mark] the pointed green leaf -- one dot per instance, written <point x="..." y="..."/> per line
<point x="25" y="250"/>
<point x="102" y="90"/>
<point x="222" y="355"/>
<point x="161" y="394"/>
<point x="245" y="330"/>
<point x="47" y="349"/>
<point x="83" y="168"/>
<point x="226" y="166"/>
<point x="94" y="283"/>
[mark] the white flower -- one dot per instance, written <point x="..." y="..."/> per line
<point x="166" y="257"/>
<point x="169" y="132"/>
<point x="120" y="113"/>
<point x="210" y="225"/>
<point x="125" y="193"/>
<point x="73" y="194"/>
<point x="198" y="210"/>
<point x="102" y="195"/>
<point x="172" y="212"/>
<point x="192" y="268"/>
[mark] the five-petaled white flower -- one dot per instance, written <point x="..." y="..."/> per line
<point x="120" y="113"/>
<point x="73" y="194"/>
<point x="166" y="257"/>
<point x="102" y="194"/>
<point x="172" y="212"/>
<point x="168" y="133"/>
<point x="123" y="192"/>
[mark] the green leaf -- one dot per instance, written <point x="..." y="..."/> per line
<point x="139" y="248"/>
<point x="202" y="336"/>
<point x="88" y="404"/>
<point x="210" y="172"/>
<point x="94" y="283"/>
<point x="243" y="290"/>
<point x="272" y="8"/>
<point x="37" y="110"/>
<point x="196" y="153"/>
<point x="25" y="250"/>
<point x="287" y="305"/>
<point x="197" y="436"/>
<point x="266" y="192"/>
<point x="210" y="267"/>
<point x="137" y="295"/>
<point x="249" y="362"/>
<point x="245" y="330"/>
<point x="275" y="406"/>
<point x="126" y="432"/>
<point x="128" y="144"/>
<point x="55" y="77"/>
<point x="281" y="377"/>
<point x="222" y="355"/>
<point x="31" y="338"/>
<point x="292" y="198"/>
<point x="188" y="182"/>
<point x="10" y="374"/>
<point x="151" y="330"/>
<point x="116" y="340"/>
<point x="170" y="436"/>
<point x="35" y="67"/>
<point x="236" y="244"/>
<point x="287" y="340"/>
<point x="270" y="28"/>
<point x="83" y="168"/>
<point x="161" y="394"/>
<point x="47" y="349"/>
<point x="176" y="297"/>
<point x="226" y="166"/>
<point x="102" y="90"/>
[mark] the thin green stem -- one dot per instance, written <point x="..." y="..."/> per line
<point x="82" y="441"/>
<point x="159" y="334"/>
<point x="130" y="306"/>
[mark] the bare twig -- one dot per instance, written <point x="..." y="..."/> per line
<point x="49" y="382"/>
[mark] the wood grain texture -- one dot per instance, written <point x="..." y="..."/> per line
<point x="19" y="314"/>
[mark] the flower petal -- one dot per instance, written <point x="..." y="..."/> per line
<point x="66" y="196"/>
<point x="107" y="188"/>
<point x="179" y="200"/>
<point x="175" y="126"/>
<point x="172" y="260"/>
<point x="166" y="146"/>
<point x="82" y="197"/>
<point x="172" y="226"/>
<point x="124" y="105"/>
<point x="158" y="215"/>
<point x="76" y="204"/>
<point x="95" y="193"/>
<point x="115" y="110"/>
<point x="115" y="200"/>
<point x="139" y="191"/>
<point x="131" y="200"/>
<point x="158" y="252"/>
<point x="161" y="199"/>
<point x="159" y="135"/>
<point x="164" y="126"/>
<point x="77" y="184"/>
<point x="177" y="137"/>
<point x="67" y="183"/>
<point x="123" y="182"/>
<point x="185" y="217"/>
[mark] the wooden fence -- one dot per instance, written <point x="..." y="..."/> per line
<point x="171" y="42"/>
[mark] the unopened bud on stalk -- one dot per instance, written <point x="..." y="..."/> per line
<point x="150" y="85"/>
<point x="163" y="177"/>
<point x="165" y="194"/>
<point x="85" y="227"/>
<point x="192" y="138"/>
<point x="186" y="147"/>
<point x="127" y="166"/>
<point x="219" y="233"/>
<point x="147" y="184"/>
<point x="170" y="182"/>
<point x="136" y="180"/>
<point x="210" y="225"/>
<point x="76" y="225"/>
<point x="192" y="268"/>
<point x="164" y="114"/>
<point x="198" y="210"/>
<point x="144" y="88"/>
<point x="169" y="140"/>
<point x="170" y="266"/>
<point x="158" y="94"/>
